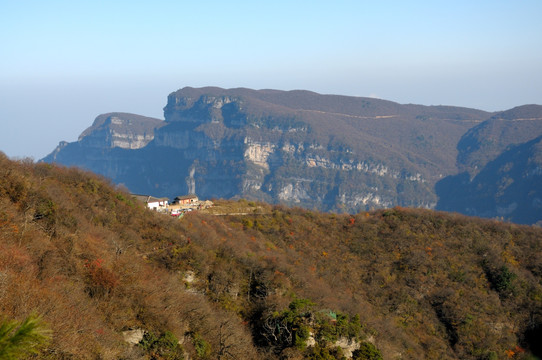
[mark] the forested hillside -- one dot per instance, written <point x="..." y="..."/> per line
<point x="275" y="283"/>
<point x="501" y="164"/>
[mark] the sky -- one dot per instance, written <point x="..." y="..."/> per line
<point x="62" y="63"/>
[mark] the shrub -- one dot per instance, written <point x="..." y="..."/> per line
<point x="367" y="351"/>
<point x="165" y="346"/>
<point x="302" y="334"/>
<point x="332" y="326"/>
<point x="501" y="279"/>
<point x="324" y="353"/>
<point x="203" y="348"/>
<point x="100" y="281"/>
<point x="248" y="224"/>
<point x="289" y="327"/>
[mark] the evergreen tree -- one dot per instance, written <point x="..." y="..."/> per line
<point x="18" y="339"/>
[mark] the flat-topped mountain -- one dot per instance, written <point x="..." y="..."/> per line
<point x="127" y="131"/>
<point x="329" y="152"/>
<point x="114" y="130"/>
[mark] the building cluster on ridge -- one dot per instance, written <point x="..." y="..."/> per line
<point x="177" y="207"/>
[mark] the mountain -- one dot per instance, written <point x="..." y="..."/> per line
<point x="326" y="152"/>
<point x="501" y="163"/>
<point x="113" y="280"/>
<point x="116" y="130"/>
<point x="489" y="139"/>
<point x="508" y="187"/>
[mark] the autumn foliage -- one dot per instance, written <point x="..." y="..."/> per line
<point x="274" y="283"/>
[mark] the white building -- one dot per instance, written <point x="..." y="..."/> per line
<point x="153" y="203"/>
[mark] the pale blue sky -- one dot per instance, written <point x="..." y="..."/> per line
<point x="62" y="63"/>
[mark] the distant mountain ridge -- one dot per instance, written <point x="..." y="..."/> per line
<point x="509" y="186"/>
<point x="329" y="152"/>
<point x="501" y="164"/>
<point x="486" y="141"/>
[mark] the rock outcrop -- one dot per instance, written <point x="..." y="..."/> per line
<point x="296" y="147"/>
<point x="110" y="131"/>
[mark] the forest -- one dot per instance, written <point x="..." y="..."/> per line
<point x="82" y="265"/>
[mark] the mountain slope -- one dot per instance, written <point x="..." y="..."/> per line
<point x="112" y="130"/>
<point x="277" y="283"/>
<point x="500" y="163"/>
<point x="486" y="141"/>
<point x="295" y="147"/>
<point x="508" y="187"/>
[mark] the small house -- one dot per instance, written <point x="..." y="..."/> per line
<point x="186" y="200"/>
<point x="153" y="203"/>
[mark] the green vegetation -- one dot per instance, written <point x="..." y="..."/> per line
<point x="367" y="351"/>
<point x="20" y="339"/>
<point x="289" y="328"/>
<point x="203" y="348"/>
<point x="166" y="346"/>
<point x="276" y="283"/>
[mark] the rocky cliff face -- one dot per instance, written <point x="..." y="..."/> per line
<point x="327" y="152"/>
<point x="122" y="130"/>
<point x="318" y="151"/>
<point x="508" y="187"/>
<point x="501" y="162"/>
<point x="110" y="146"/>
<point x="114" y="130"/>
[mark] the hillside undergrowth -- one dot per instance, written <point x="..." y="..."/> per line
<point x="277" y="283"/>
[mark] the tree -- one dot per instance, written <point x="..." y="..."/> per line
<point x="18" y="339"/>
<point x="367" y="351"/>
<point x="165" y="346"/>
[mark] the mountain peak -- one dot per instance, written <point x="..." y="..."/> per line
<point x="122" y="121"/>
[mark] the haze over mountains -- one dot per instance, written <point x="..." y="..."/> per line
<point x="328" y="152"/>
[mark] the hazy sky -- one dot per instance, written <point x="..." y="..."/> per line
<point x="62" y="63"/>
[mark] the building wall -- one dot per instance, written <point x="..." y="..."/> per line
<point x="156" y="205"/>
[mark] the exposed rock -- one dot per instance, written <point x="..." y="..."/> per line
<point x="258" y="152"/>
<point x="326" y="152"/>
<point x="311" y="341"/>
<point x="133" y="336"/>
<point x="189" y="277"/>
<point x="294" y="192"/>
<point x="122" y="130"/>
<point x="348" y="346"/>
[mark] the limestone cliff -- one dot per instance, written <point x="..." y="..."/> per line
<point x="122" y="130"/>
<point x="296" y="147"/>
